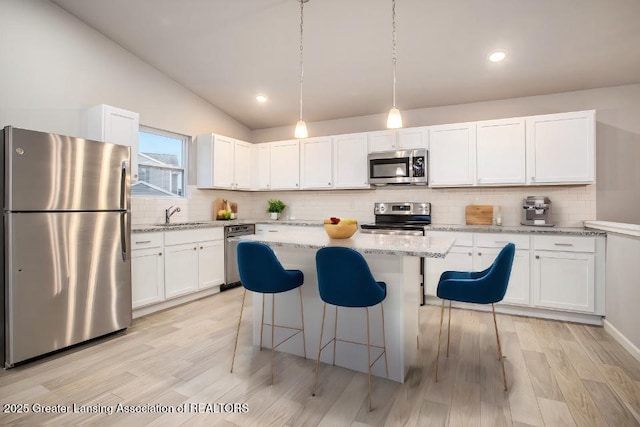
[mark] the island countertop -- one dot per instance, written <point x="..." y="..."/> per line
<point x="381" y="244"/>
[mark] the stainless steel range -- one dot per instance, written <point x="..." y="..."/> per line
<point x="401" y="218"/>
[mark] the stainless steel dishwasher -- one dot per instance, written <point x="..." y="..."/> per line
<point x="231" y="275"/>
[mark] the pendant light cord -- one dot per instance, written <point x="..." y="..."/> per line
<point x="393" y="20"/>
<point x="302" y="2"/>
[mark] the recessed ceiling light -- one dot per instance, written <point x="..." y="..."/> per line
<point x="261" y="98"/>
<point x="497" y="55"/>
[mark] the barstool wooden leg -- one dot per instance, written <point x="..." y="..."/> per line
<point x="384" y="342"/>
<point x="449" y="329"/>
<point x="273" y="312"/>
<point x="262" y="324"/>
<point x="500" y="356"/>
<point x="439" y="336"/>
<point x="304" y="341"/>
<point x="369" y="357"/>
<point x="235" y="347"/>
<point x="315" y="382"/>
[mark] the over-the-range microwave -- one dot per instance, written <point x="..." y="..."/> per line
<point x="398" y="167"/>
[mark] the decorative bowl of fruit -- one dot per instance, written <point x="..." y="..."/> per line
<point x="338" y="228"/>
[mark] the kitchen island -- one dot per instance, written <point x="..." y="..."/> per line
<point x="394" y="260"/>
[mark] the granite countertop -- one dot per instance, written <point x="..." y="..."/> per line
<point x="524" y="229"/>
<point x="631" y="230"/>
<point x="382" y="244"/>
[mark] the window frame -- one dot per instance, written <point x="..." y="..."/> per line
<point x="186" y="140"/>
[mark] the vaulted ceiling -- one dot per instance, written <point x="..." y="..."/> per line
<point x="229" y="51"/>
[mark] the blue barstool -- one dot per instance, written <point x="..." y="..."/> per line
<point x="482" y="287"/>
<point x="260" y="271"/>
<point x="344" y="280"/>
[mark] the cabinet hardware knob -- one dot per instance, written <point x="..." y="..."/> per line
<point x="537" y="256"/>
<point x="533" y="178"/>
<point x="296" y="185"/>
<point x="195" y="249"/>
<point x="160" y="254"/>
<point x="201" y="247"/>
<point x="470" y="253"/>
<point x="329" y="183"/>
<point x="479" y="253"/>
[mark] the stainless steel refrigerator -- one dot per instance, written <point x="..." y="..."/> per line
<point x="66" y="266"/>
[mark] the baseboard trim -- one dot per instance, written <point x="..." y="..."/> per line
<point x="148" y="309"/>
<point x="622" y="340"/>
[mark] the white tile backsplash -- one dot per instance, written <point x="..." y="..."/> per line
<point x="571" y="204"/>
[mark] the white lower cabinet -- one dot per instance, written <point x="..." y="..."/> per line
<point x="147" y="269"/>
<point x="174" y="265"/>
<point x="564" y="274"/>
<point x="181" y="269"/>
<point x="554" y="272"/>
<point x="210" y="264"/>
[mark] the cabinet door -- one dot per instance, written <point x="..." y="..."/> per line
<point x="413" y="138"/>
<point x="147" y="276"/>
<point x="316" y="163"/>
<point x="181" y="269"/>
<point x="518" y="288"/>
<point x="384" y="140"/>
<point x="350" y="161"/>
<point x="264" y="167"/>
<point x="210" y="263"/>
<point x="223" y="149"/>
<point x="564" y="280"/>
<point x="285" y="165"/>
<point x="561" y="148"/>
<point x="452" y="155"/>
<point x="118" y="126"/>
<point x="242" y="165"/>
<point x="500" y="152"/>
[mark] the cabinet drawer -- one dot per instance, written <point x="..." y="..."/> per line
<point x="146" y="240"/>
<point x="565" y="243"/>
<point x="484" y="240"/>
<point x="179" y="237"/>
<point x="462" y="239"/>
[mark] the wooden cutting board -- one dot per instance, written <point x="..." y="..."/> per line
<point x="220" y="204"/>
<point x="479" y="214"/>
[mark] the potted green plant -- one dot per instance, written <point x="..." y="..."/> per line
<point x="275" y="208"/>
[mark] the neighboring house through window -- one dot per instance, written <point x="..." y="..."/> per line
<point x="161" y="163"/>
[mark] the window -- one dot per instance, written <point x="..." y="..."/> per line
<point x="161" y="163"/>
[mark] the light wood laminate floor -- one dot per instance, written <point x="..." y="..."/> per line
<point x="559" y="374"/>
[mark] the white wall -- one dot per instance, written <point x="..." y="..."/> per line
<point x="54" y="67"/>
<point x="617" y="136"/>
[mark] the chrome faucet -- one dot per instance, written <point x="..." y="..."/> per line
<point x="168" y="213"/>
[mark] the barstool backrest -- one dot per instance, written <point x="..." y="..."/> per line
<point x="260" y="270"/>
<point x="344" y="278"/>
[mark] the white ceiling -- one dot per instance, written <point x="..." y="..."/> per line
<point x="228" y="51"/>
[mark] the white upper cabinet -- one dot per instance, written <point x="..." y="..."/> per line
<point x="223" y="162"/>
<point x="316" y="163"/>
<point x="350" y="161"/>
<point x="263" y="163"/>
<point x="500" y="152"/>
<point x="452" y="155"/>
<point x="242" y="155"/>
<point x="110" y="124"/>
<point x="384" y="140"/>
<point x="561" y="148"/>
<point x="413" y="138"/>
<point x="285" y="165"/>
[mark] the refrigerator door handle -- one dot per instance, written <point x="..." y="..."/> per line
<point x="124" y="234"/>
<point x="123" y="187"/>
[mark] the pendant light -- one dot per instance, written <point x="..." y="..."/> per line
<point x="301" y="126"/>
<point x="394" y="121"/>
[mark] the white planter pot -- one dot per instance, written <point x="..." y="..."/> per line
<point x="275" y="215"/>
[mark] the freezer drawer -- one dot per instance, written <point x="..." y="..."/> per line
<point x="67" y="277"/>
